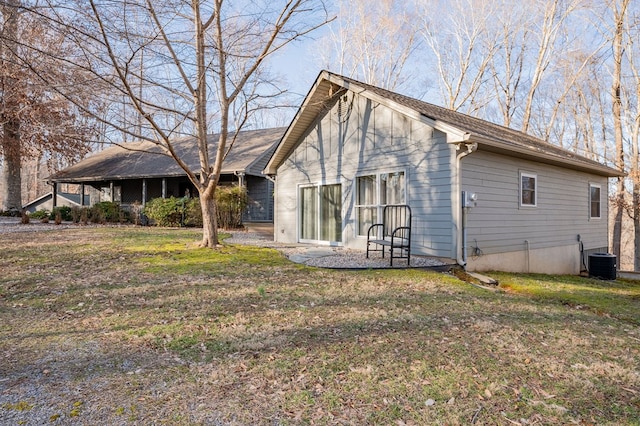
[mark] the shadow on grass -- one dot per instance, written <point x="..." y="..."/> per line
<point x="293" y="340"/>
<point x="619" y="299"/>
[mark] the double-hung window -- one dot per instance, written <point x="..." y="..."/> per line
<point x="375" y="191"/>
<point x="594" y="201"/>
<point x="528" y="189"/>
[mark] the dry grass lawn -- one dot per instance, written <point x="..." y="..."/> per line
<point x="139" y="326"/>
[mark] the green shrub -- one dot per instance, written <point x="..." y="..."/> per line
<point x="40" y="214"/>
<point x="106" y="211"/>
<point x="193" y="213"/>
<point x="84" y="215"/>
<point x="64" y="213"/>
<point x="231" y="201"/>
<point x="166" y="211"/>
<point x="10" y="213"/>
<point x="79" y="214"/>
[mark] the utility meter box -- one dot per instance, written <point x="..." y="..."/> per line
<point x="469" y="199"/>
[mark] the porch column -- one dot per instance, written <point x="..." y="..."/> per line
<point x="164" y="187"/>
<point x="82" y="195"/>
<point x="54" y="194"/>
<point x="111" y="191"/>
<point x="144" y="192"/>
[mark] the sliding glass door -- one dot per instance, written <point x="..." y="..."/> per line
<point x="309" y="213"/>
<point x="321" y="213"/>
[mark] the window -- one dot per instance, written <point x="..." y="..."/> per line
<point x="594" y="201"/>
<point x="528" y="189"/>
<point x="321" y="213"/>
<point x="366" y="202"/>
<point x="373" y="192"/>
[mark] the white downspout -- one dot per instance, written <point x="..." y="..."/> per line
<point x="458" y="203"/>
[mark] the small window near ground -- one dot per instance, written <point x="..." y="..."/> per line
<point x="528" y="189"/>
<point x="594" y="201"/>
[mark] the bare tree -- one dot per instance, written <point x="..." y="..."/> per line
<point x="619" y="10"/>
<point x="462" y="49"/>
<point x="185" y="68"/>
<point x="632" y="106"/>
<point x="36" y="122"/>
<point x="11" y="96"/>
<point x="585" y="112"/>
<point x="508" y="63"/>
<point x="556" y="13"/>
<point x="372" y="41"/>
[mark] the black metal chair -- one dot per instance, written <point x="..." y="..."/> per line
<point x="394" y="232"/>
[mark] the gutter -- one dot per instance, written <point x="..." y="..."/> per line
<point x="537" y="154"/>
<point x="457" y="202"/>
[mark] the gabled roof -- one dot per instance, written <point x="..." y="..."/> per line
<point x="458" y="127"/>
<point x="138" y="160"/>
<point x="73" y="199"/>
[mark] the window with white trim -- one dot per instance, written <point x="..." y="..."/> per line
<point x="594" y="201"/>
<point x="528" y="189"/>
<point x="321" y="213"/>
<point x="375" y="191"/>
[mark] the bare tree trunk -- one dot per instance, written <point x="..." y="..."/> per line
<point x="635" y="171"/>
<point x="636" y="224"/>
<point x="207" y="186"/>
<point x="11" y="148"/>
<point x="632" y="54"/>
<point x="209" y="221"/>
<point x="12" y="166"/>
<point x="618" y="205"/>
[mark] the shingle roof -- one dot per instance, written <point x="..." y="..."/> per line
<point x="488" y="135"/>
<point x="144" y="159"/>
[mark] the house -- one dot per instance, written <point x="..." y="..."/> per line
<point x="138" y="172"/>
<point x="45" y="202"/>
<point x="486" y="196"/>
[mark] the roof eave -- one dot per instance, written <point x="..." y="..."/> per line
<point x="308" y="111"/>
<point x="487" y="144"/>
<point x="85" y="179"/>
<point x="306" y="114"/>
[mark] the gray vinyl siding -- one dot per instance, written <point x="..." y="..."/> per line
<point x="498" y="224"/>
<point x="356" y="137"/>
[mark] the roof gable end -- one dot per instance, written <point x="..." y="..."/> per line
<point x="459" y="128"/>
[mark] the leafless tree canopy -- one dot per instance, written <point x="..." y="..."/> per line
<point x="173" y="68"/>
